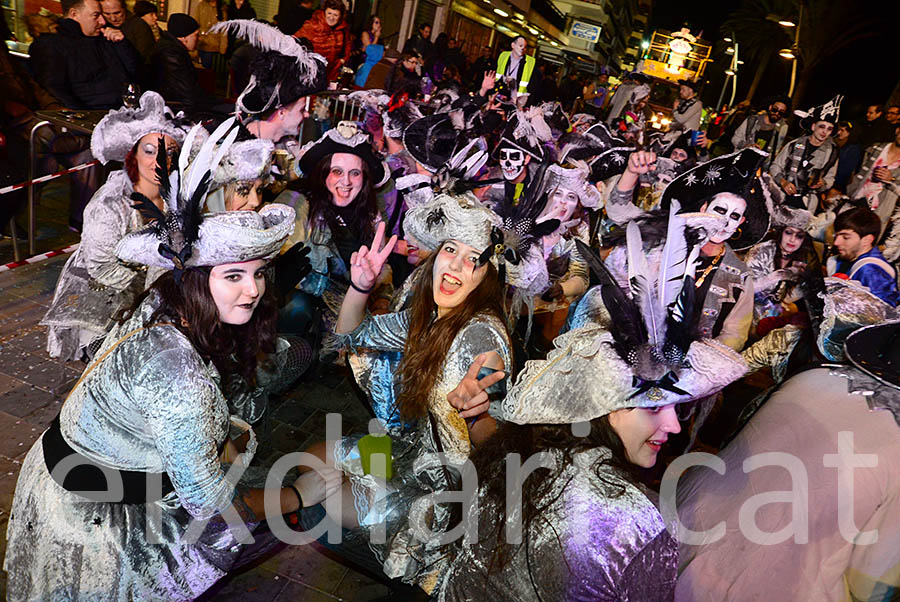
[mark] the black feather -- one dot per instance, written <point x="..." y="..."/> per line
<point x="626" y="325"/>
<point x="680" y="319"/>
<point x="191" y="213"/>
<point x="545" y="228"/>
<point x="162" y="170"/>
<point x="150" y="212"/>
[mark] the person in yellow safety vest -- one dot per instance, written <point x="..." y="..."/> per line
<point x="516" y="66"/>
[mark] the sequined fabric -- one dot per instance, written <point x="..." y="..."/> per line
<point x="405" y="555"/>
<point x="848" y="306"/>
<point x="151" y="405"/>
<point x="94" y="284"/>
<point x="590" y="544"/>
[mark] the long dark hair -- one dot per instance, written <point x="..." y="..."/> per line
<point x="360" y="220"/>
<point x="429" y="338"/>
<point x="190" y="307"/>
<point x="806" y="253"/>
<point x="527" y="440"/>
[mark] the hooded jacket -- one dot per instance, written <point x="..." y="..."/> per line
<point x="334" y="43"/>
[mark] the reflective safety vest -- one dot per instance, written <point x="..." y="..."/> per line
<point x="503" y="61"/>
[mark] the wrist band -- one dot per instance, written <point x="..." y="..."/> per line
<point x="297" y="493"/>
<point x="361" y="290"/>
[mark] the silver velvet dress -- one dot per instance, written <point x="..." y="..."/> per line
<point x="599" y="539"/>
<point x="401" y="502"/>
<point x="152" y="405"/>
<point x="94" y="283"/>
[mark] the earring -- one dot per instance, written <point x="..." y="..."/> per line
<point x="737" y="233"/>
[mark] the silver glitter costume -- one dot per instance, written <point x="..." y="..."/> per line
<point x="589" y="544"/>
<point x="760" y="261"/>
<point x="94" y="283"/>
<point x="400" y="504"/>
<point x="152" y="405"/>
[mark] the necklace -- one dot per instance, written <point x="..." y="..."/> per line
<point x="709" y="268"/>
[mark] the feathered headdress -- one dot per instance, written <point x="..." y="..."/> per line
<point x="648" y="357"/>
<point x="282" y="73"/>
<point x="652" y="328"/>
<point x="180" y="237"/>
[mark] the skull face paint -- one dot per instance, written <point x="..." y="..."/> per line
<point x="732" y="208"/>
<point x="512" y="162"/>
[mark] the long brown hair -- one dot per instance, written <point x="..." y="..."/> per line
<point x="190" y="307"/>
<point x="490" y="463"/>
<point x="429" y="338"/>
<point x="365" y="206"/>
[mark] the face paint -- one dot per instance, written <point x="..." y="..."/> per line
<point x="512" y="162"/>
<point x="731" y="207"/>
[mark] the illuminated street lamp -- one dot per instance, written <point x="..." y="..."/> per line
<point x="501" y="12"/>
<point x="645" y="44"/>
<point x="728" y="40"/>
<point x="786" y="53"/>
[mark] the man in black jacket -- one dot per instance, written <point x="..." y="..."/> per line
<point x="86" y="64"/>
<point x="174" y="75"/>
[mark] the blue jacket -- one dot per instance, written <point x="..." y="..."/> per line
<point x="881" y="283"/>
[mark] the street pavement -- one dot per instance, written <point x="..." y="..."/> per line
<point x="33" y="386"/>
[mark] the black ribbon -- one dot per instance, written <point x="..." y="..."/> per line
<point x="667" y="382"/>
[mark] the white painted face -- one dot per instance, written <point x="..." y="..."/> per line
<point x="730" y="206"/>
<point x="512" y="162"/>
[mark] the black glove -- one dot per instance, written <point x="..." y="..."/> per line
<point x="291" y="267"/>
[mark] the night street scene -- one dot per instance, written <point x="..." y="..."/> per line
<point x="449" y="300"/>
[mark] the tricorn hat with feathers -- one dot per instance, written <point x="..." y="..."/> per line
<point x="282" y="73"/>
<point x="183" y="237"/>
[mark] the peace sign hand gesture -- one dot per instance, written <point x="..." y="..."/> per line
<point x="366" y="264"/>
<point x="469" y="396"/>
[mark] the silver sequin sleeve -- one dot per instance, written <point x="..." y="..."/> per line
<point x="386" y="332"/>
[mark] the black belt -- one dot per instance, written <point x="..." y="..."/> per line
<point x="89" y="480"/>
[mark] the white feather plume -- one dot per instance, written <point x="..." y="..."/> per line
<point x="266" y="37"/>
<point x="208" y="157"/>
<point x="642" y="287"/>
<point x="673" y="260"/>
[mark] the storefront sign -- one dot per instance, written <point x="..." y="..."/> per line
<point x="585" y="31"/>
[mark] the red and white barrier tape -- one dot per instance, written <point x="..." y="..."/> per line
<point x="49" y="177"/>
<point x="37" y="258"/>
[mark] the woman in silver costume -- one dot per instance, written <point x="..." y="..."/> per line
<point x="335" y="216"/>
<point x="781" y="265"/>
<point x="148" y="412"/>
<point x="569" y="196"/>
<point x="455" y="315"/>
<point x="94" y="284"/>
<point x="601" y="406"/>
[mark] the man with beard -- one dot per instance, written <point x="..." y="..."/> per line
<point x="766" y="130"/>
<point x="808" y="164"/>
<point x="855" y="233"/>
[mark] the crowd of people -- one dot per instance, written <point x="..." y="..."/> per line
<point x="535" y="297"/>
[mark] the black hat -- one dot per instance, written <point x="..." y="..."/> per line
<point x="181" y="25"/>
<point x="830" y="112"/>
<point x="345" y="138"/>
<point x="143" y="7"/>
<point x="693" y="85"/>
<point x="610" y="163"/>
<point x="285" y="71"/>
<point x="876" y="351"/>
<point x="521" y="134"/>
<point x="431" y="140"/>
<point x="735" y="173"/>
